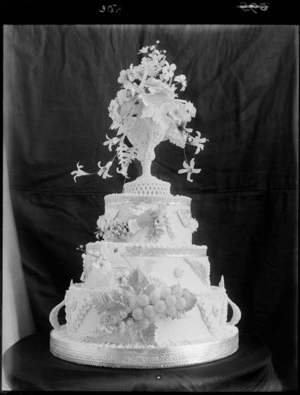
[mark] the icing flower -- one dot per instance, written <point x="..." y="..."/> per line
<point x="111" y="142"/>
<point x="103" y="172"/>
<point x="121" y="278"/>
<point x="103" y="264"/>
<point x="122" y="327"/>
<point x="124" y="95"/>
<point x="178" y="112"/>
<point x="122" y="77"/>
<point x="144" y="50"/>
<point x="114" y="115"/>
<point x="198" y="142"/>
<point x="123" y="171"/>
<point x="79" y="172"/>
<point x="157" y="229"/>
<point x="189" y="169"/>
<point x="189" y="107"/>
<point x="101" y="222"/>
<point x="110" y="320"/>
<point x="178" y="272"/>
<point x="168" y="70"/>
<point x="193" y="224"/>
<point x="181" y="79"/>
<point x="115" y="229"/>
<point x="135" y="73"/>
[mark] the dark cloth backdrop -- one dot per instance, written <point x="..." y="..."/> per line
<point x="243" y="83"/>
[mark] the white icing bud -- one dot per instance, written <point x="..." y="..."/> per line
<point x="178" y="272"/>
<point x="215" y="311"/>
<point x="101" y="222"/>
<point x="222" y="283"/>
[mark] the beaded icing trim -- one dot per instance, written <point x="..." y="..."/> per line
<point x="151" y="249"/>
<point x="162" y="251"/>
<point x="124" y="198"/>
<point x="203" y="294"/>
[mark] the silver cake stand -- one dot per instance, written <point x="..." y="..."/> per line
<point x="150" y="357"/>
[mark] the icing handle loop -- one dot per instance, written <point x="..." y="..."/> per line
<point x="236" y="313"/>
<point x="53" y="315"/>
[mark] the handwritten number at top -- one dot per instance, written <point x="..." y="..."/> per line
<point x="111" y="9"/>
<point x="253" y="7"/>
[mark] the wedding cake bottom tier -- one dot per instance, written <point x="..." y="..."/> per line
<point x="204" y="322"/>
<point x="139" y="356"/>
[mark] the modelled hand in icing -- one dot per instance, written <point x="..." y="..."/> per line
<point x="147" y="218"/>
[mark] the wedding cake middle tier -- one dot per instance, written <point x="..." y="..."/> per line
<point x="104" y="262"/>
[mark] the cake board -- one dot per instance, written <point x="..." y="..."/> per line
<point x="139" y="357"/>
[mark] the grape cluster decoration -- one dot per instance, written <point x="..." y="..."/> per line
<point x="142" y="303"/>
<point x="161" y="303"/>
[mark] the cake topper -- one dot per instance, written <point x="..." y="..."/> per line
<point x="147" y="111"/>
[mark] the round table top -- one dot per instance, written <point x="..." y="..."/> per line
<point x="29" y="365"/>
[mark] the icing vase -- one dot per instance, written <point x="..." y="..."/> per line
<point x="145" y="134"/>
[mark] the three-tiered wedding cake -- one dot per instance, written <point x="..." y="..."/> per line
<point x="145" y="299"/>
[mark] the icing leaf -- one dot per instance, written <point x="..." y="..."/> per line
<point x="184" y="216"/>
<point x="148" y="111"/>
<point x="202" y="273"/>
<point x="200" y="269"/>
<point x="99" y="302"/>
<point x="157" y="281"/>
<point x="125" y="156"/>
<point x="147" y="336"/>
<point x="149" y="289"/>
<point x="114" y="305"/>
<point x="137" y="280"/>
<point x="132" y="302"/>
<point x="177" y="138"/>
<point x="131" y="329"/>
<point x="155" y="232"/>
<point x="190" y="299"/>
<point x="179" y="314"/>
